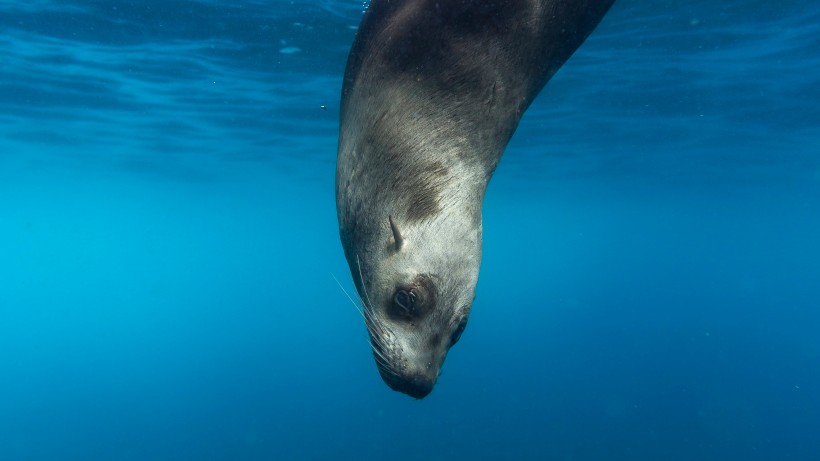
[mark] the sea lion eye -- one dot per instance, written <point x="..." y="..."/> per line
<point x="404" y="300"/>
<point x="457" y="334"/>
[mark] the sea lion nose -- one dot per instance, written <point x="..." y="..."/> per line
<point x="416" y="386"/>
<point x="415" y="383"/>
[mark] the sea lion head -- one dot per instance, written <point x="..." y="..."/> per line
<point x="416" y="281"/>
<point x="410" y="184"/>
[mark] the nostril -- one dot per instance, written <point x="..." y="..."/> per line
<point x="421" y="388"/>
<point x="418" y="386"/>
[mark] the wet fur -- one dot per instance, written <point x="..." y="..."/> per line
<point x="433" y="91"/>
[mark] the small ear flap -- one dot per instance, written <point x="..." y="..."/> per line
<point x="397" y="238"/>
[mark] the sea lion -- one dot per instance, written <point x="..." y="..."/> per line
<point x="433" y="90"/>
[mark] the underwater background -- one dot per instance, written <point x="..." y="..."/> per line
<point x="650" y="287"/>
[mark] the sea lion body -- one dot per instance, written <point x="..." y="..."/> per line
<point x="433" y="91"/>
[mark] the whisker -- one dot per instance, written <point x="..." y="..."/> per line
<point x="371" y="320"/>
<point x="361" y="280"/>
<point x="377" y="342"/>
<point x="374" y="341"/>
<point x="373" y="323"/>
<point x="380" y="355"/>
<point x="378" y="330"/>
<point x="382" y="328"/>
<point x="385" y="369"/>
<point x="348" y="297"/>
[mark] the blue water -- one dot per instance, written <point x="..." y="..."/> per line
<point x="650" y="288"/>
